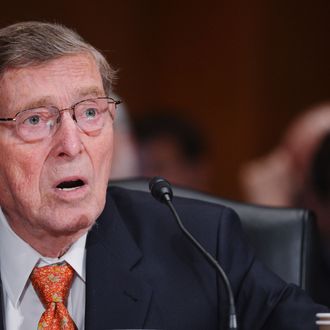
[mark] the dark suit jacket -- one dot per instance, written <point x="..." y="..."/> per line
<point x="143" y="273"/>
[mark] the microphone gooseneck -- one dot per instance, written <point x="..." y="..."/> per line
<point x="161" y="190"/>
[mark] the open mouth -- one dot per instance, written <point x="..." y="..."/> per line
<point x="70" y="185"/>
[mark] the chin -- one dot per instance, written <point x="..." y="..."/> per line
<point x="62" y="219"/>
<point x="70" y="224"/>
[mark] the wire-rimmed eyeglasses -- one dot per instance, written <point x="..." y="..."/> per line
<point x="38" y="123"/>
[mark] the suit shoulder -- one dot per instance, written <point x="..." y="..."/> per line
<point x="197" y="215"/>
<point x="135" y="198"/>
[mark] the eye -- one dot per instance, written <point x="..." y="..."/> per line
<point x="32" y="120"/>
<point x="36" y="118"/>
<point x="90" y="113"/>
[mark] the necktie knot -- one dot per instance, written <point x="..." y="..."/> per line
<point x="52" y="284"/>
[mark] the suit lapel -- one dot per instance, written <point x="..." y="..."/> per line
<point x="116" y="295"/>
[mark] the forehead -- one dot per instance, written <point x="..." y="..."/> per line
<point x="57" y="82"/>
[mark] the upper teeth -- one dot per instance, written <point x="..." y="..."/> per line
<point x="69" y="188"/>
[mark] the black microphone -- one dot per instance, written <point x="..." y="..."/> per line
<point x="161" y="190"/>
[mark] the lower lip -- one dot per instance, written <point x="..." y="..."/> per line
<point x="72" y="194"/>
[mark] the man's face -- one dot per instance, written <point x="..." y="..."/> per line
<point x="30" y="172"/>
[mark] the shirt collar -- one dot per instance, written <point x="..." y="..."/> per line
<point x="19" y="258"/>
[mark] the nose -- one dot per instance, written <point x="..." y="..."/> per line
<point x="67" y="139"/>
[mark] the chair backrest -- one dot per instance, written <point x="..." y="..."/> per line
<point x="284" y="239"/>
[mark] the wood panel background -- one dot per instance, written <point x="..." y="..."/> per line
<point x="241" y="70"/>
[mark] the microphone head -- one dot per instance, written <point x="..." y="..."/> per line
<point x="160" y="189"/>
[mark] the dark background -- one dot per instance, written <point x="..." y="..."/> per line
<point x="240" y="70"/>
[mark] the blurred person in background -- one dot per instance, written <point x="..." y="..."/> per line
<point x="297" y="174"/>
<point x="173" y="148"/>
<point x="280" y="178"/>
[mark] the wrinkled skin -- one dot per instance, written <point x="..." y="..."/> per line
<point x="46" y="217"/>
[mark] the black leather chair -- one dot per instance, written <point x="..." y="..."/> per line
<point x="284" y="239"/>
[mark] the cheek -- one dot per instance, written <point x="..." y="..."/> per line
<point x="19" y="175"/>
<point x="102" y="157"/>
<point x="106" y="159"/>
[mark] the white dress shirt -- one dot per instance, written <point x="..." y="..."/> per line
<point x="21" y="305"/>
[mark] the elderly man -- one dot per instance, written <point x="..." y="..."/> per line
<point x="76" y="256"/>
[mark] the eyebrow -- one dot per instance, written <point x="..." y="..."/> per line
<point x="90" y="91"/>
<point x="37" y="103"/>
<point x="80" y="94"/>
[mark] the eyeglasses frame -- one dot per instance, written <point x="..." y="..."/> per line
<point x="72" y="108"/>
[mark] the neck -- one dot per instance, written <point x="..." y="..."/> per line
<point x="51" y="245"/>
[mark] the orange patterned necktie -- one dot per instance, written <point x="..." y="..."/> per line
<point x="52" y="284"/>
